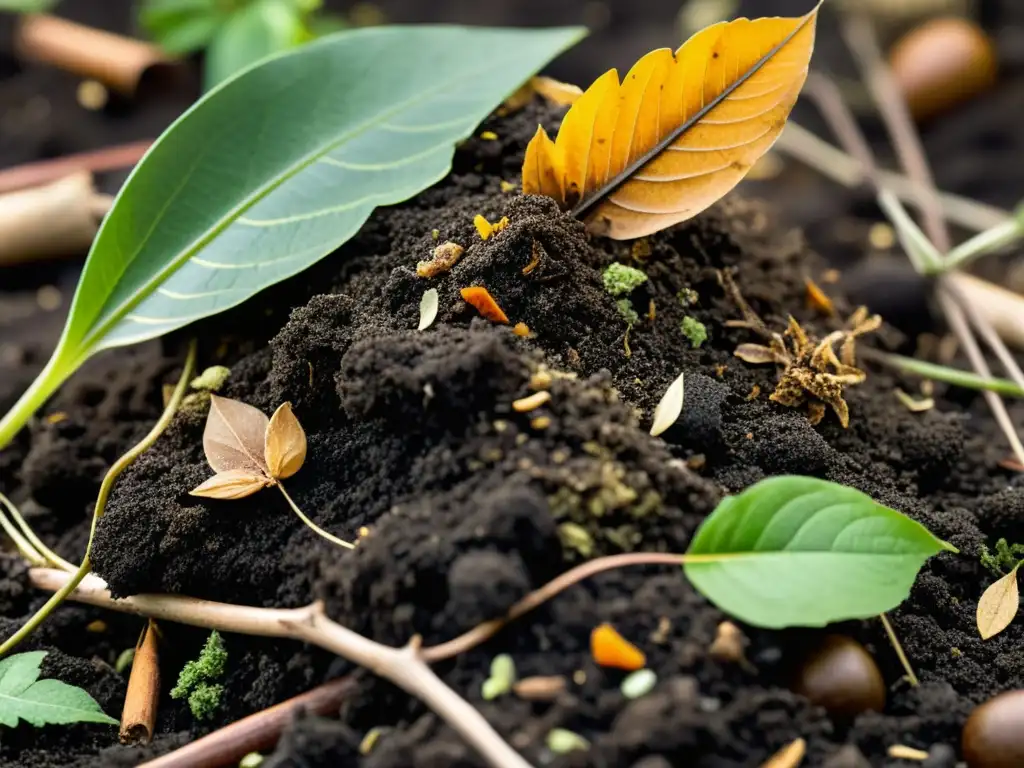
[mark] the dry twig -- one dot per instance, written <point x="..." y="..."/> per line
<point x="138" y="718"/>
<point x="41" y="172"/>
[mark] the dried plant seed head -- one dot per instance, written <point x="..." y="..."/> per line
<point x="234" y="437"/>
<point x="232" y="484"/>
<point x="285" y="445"/>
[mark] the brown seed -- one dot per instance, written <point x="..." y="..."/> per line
<point x="841" y="676"/>
<point x="993" y="735"/>
<point x="942" y="63"/>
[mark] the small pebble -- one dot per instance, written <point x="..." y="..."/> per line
<point x="841" y="676"/>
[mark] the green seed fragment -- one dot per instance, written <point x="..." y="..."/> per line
<point x="503" y="675"/>
<point x="251" y="760"/>
<point x="124" y="660"/>
<point x="212" y="379"/>
<point x="638" y="684"/>
<point x="562" y="741"/>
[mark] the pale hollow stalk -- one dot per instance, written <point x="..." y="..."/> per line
<point x="994" y="239"/>
<point x="832" y="162"/>
<point x="1003" y="308"/>
<point x="101" y="503"/>
<point x="955" y="376"/>
<point x="402" y="666"/>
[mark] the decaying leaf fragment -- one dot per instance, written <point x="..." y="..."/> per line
<point x="657" y="149"/>
<point x="247" y="450"/>
<point x="812" y="375"/>
<point x="998" y="605"/>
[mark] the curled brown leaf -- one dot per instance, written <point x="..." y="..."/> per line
<point x="232" y="484"/>
<point x="285" y="444"/>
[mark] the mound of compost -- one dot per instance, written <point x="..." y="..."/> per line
<point x="463" y="504"/>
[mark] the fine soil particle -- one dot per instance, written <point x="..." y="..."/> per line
<point x="465" y="500"/>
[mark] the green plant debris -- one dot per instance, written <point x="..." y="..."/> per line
<point x="625" y="307"/>
<point x="371" y="738"/>
<point x="23" y="696"/>
<point x="576" y="538"/>
<point x="1003" y="560"/>
<point x="694" y="330"/>
<point x="687" y="297"/>
<point x="562" y="741"/>
<point x="503" y="675"/>
<point x="197" y="678"/>
<point x="212" y="379"/>
<point x="252" y="760"/>
<point x="124" y="660"/>
<point x="638" y="684"/>
<point x="620" y="279"/>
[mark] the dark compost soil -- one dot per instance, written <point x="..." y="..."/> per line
<point x="412" y="435"/>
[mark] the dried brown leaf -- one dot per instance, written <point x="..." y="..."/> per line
<point x="285" y="448"/>
<point x="234" y="437"/>
<point x="998" y="605"/>
<point x="755" y="354"/>
<point x="231" y="484"/>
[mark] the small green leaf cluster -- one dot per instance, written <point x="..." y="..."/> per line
<point x="235" y="34"/>
<point x="694" y="330"/>
<point x="1003" y="560"/>
<point x="625" y="307"/>
<point x="42" y="702"/>
<point x="798" y="551"/>
<point x="196" y="680"/>
<point x="620" y="279"/>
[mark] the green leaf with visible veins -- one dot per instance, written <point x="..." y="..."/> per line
<point x="277" y="167"/>
<point x="42" y="702"/>
<point x="798" y="551"/>
<point x="263" y="28"/>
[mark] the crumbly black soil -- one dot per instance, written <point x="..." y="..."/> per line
<point x="412" y="435"/>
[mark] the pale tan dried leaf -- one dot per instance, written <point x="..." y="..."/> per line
<point x="755" y="354"/>
<point x="285" y="449"/>
<point x="998" y="605"/>
<point x="789" y="756"/>
<point x="232" y="484"/>
<point x="555" y="91"/>
<point x="668" y="409"/>
<point x="234" y="437"/>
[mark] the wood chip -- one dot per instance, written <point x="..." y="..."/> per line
<point x="529" y="403"/>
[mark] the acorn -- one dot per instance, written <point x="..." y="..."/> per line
<point x="993" y="736"/>
<point x="943" y="63"/>
<point x="841" y="676"/>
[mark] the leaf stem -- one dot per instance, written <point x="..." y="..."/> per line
<point x="101" y="503"/>
<point x="47" y="554"/>
<point x="922" y="254"/>
<point x="899" y="650"/>
<point x="316" y="528"/>
<point x="954" y="376"/>
<point x="23" y="545"/>
<point x="45" y="384"/>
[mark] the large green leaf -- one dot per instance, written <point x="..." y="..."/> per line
<point x="797" y="551"/>
<point x="42" y="702"/>
<point x="276" y="168"/>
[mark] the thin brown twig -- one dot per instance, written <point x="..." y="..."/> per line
<point x="861" y="38"/>
<point x="96" y="161"/>
<point x="257" y="732"/>
<point x="138" y="718"/>
<point x="402" y="666"/>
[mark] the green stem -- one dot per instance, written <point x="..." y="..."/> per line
<point x="23" y="545"/>
<point x="990" y="240"/>
<point x="45" y="384"/>
<point x="899" y="650"/>
<point x="949" y="375"/>
<point x="106" y="487"/>
<point x="51" y="557"/>
<point x="922" y="253"/>
<point x="316" y="528"/>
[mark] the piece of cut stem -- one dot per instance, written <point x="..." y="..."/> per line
<point x="101" y="503"/>
<point x="47" y="554"/>
<point x="919" y="249"/>
<point x="138" y="718"/>
<point x="899" y="650"/>
<point x="990" y="240"/>
<point x="316" y="528"/>
<point x="23" y="545"/>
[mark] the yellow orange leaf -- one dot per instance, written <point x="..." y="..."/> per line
<point x="285" y="443"/>
<point x="555" y="91"/>
<point x="998" y="606"/>
<point x="679" y="132"/>
<point x="233" y="484"/>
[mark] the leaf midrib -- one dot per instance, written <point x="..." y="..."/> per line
<point x="118" y="313"/>
<point x="6" y="697"/>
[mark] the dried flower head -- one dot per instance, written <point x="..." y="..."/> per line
<point x="812" y="372"/>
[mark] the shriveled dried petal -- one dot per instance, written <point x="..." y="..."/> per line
<point x="232" y="484"/>
<point x="234" y="436"/>
<point x="285" y="445"/>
